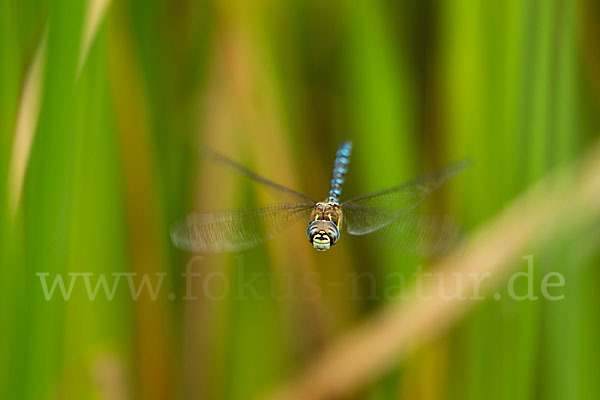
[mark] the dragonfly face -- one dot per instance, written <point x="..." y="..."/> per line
<point x="324" y="228"/>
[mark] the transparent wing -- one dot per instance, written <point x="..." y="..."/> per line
<point x="369" y="213"/>
<point x="220" y="158"/>
<point x="422" y="234"/>
<point x="230" y="231"/>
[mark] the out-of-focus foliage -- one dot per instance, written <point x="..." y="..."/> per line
<point x="129" y="91"/>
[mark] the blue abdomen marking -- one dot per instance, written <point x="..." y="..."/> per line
<point x="340" y="167"/>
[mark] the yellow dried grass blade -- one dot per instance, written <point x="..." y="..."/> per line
<point x="27" y="119"/>
<point x="95" y="12"/>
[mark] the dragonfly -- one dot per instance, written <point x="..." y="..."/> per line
<point x="388" y="211"/>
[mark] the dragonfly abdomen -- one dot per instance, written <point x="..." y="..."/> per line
<point x="340" y="167"/>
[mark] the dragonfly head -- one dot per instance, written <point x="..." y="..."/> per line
<point x="324" y="229"/>
<point x="322" y="234"/>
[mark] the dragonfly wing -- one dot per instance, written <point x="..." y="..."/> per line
<point x="422" y="234"/>
<point x="360" y="219"/>
<point x="366" y="214"/>
<point x="220" y="158"/>
<point x="230" y="231"/>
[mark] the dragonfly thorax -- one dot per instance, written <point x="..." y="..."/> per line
<point x="324" y="228"/>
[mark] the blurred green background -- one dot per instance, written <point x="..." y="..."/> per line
<point x="127" y="92"/>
